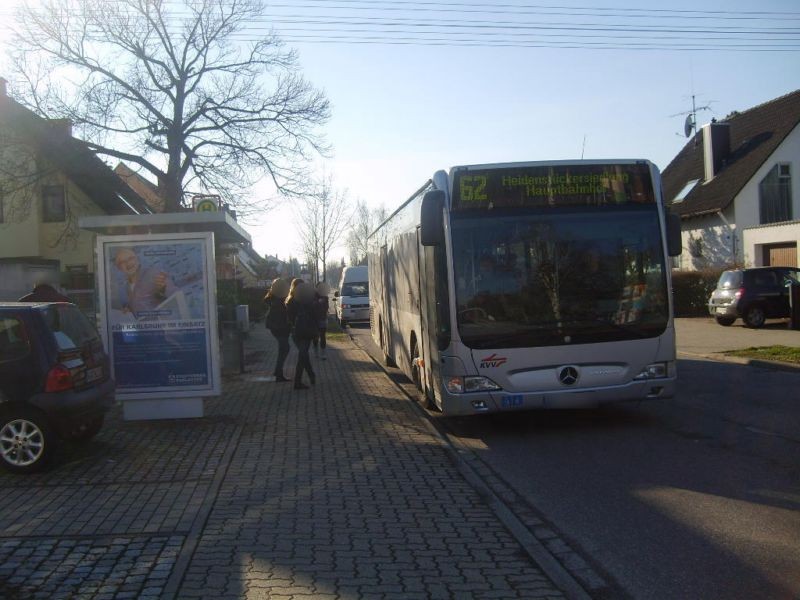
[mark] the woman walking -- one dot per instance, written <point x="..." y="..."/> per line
<point x="278" y="322"/>
<point x="300" y="310"/>
<point x="321" y="307"/>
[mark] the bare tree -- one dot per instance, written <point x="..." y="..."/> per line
<point x="168" y="85"/>
<point x="333" y="272"/>
<point x="365" y="221"/>
<point x="321" y="219"/>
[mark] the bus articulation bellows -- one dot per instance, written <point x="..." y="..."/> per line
<point x="529" y="285"/>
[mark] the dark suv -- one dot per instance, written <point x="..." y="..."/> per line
<point x="54" y="381"/>
<point x="753" y="294"/>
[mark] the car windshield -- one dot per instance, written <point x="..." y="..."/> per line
<point x="69" y="326"/>
<point x="551" y="277"/>
<point x="355" y="289"/>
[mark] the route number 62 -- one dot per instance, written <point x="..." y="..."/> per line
<point x="473" y="188"/>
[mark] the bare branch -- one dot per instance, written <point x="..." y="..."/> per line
<point x="165" y="84"/>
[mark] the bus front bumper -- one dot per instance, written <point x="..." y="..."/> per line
<point x="490" y="402"/>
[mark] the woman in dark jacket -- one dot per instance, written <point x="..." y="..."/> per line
<point x="278" y="323"/>
<point x="321" y="307"/>
<point x="300" y="310"/>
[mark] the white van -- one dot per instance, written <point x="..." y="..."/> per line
<point x="352" y="297"/>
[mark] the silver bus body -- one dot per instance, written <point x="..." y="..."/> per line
<point x="464" y="360"/>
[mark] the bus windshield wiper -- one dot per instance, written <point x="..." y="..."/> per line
<point x="610" y="324"/>
<point x="491" y="340"/>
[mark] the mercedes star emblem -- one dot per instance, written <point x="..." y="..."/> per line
<point x="568" y="375"/>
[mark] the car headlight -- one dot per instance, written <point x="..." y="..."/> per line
<point x="654" y="371"/>
<point x="461" y="385"/>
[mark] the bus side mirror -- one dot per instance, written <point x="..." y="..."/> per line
<point x="674" y="244"/>
<point x="431" y="225"/>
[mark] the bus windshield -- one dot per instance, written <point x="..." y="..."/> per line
<point x="554" y="276"/>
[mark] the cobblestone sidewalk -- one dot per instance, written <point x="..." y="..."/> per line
<point x="340" y="491"/>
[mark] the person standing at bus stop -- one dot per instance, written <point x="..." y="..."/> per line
<point x="321" y="307"/>
<point x="278" y="322"/>
<point x="300" y="310"/>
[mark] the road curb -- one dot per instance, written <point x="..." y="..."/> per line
<point x="773" y="365"/>
<point x="535" y="549"/>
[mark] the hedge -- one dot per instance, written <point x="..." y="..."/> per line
<point x="230" y="293"/>
<point x="691" y="291"/>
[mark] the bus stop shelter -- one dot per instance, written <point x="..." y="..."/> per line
<point x="164" y="346"/>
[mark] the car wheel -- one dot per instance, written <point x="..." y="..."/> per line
<point x="89" y="430"/>
<point x="26" y="440"/>
<point x="755" y="316"/>
<point x="726" y="321"/>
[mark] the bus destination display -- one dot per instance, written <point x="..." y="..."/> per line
<point x="543" y="186"/>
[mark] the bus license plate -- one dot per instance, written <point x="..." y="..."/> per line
<point x="511" y="401"/>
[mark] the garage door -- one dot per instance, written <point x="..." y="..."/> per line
<point x="781" y="255"/>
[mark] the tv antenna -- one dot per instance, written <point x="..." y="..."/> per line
<point x="690" y="124"/>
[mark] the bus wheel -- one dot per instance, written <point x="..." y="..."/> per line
<point x="425" y="397"/>
<point x="387" y="360"/>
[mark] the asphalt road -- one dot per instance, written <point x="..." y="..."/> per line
<point x="695" y="497"/>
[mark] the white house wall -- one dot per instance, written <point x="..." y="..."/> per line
<point x="708" y="242"/>
<point x="746" y="202"/>
<point x="756" y="238"/>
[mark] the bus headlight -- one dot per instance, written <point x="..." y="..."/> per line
<point x="654" y="371"/>
<point x="461" y="385"/>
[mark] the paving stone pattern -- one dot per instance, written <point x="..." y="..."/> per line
<point x="340" y="491"/>
<point x="124" y="567"/>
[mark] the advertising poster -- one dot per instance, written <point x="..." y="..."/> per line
<point x="159" y="320"/>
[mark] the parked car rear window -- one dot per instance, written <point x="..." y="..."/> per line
<point x="70" y="326"/>
<point x="730" y="279"/>
<point x="13" y="342"/>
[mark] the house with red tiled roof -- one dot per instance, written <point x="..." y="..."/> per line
<point x="49" y="180"/>
<point x="142" y="186"/>
<point x="736" y="188"/>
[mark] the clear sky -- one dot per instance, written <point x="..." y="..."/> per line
<point x="404" y="110"/>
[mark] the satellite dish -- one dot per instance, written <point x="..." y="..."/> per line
<point x="688" y="126"/>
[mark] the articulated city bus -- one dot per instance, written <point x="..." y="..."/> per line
<point x="529" y="285"/>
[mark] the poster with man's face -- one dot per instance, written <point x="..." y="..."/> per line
<point x="155" y="281"/>
<point x="157" y="291"/>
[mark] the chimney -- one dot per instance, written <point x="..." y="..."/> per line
<point x="716" y="147"/>
<point x="61" y="126"/>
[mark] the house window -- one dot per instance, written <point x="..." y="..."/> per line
<point x="685" y="191"/>
<point x="775" y="195"/>
<point x="54" y="208"/>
